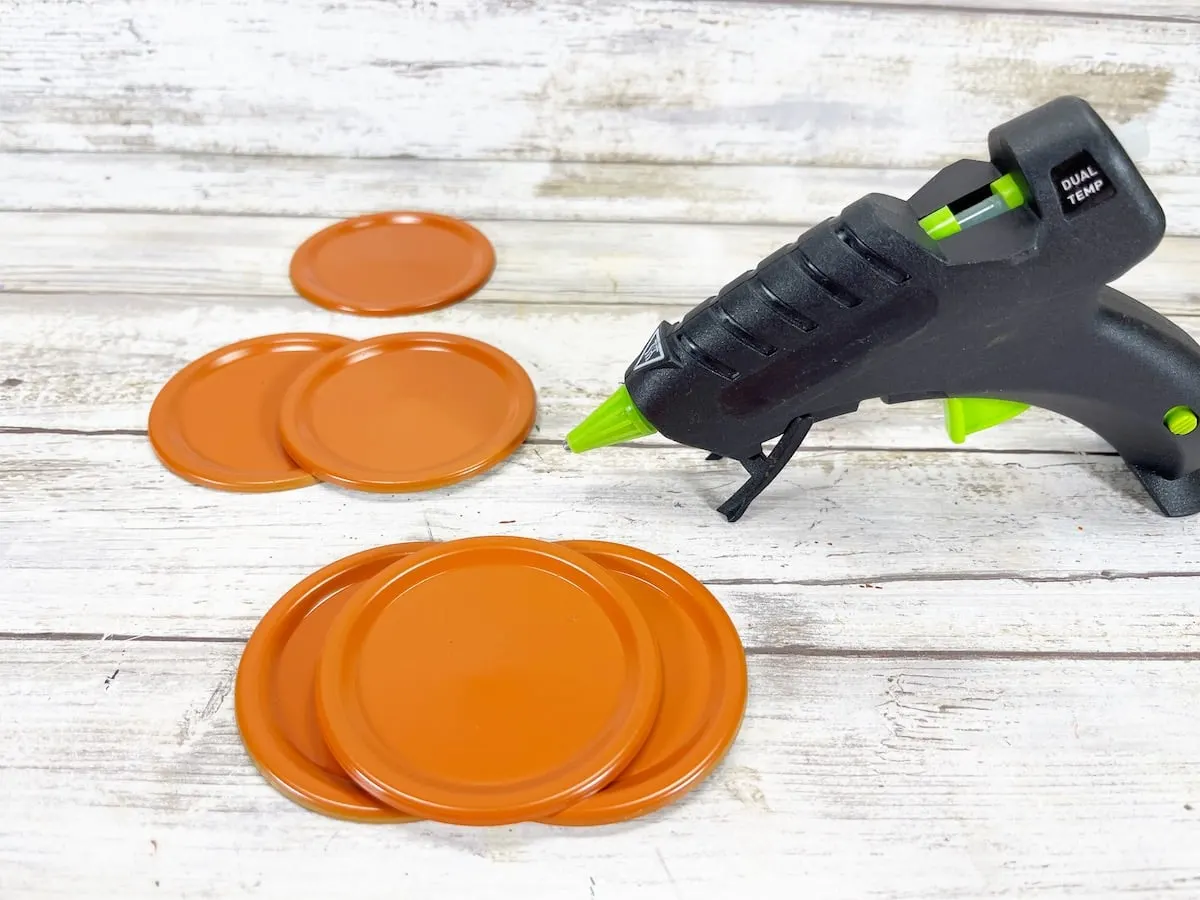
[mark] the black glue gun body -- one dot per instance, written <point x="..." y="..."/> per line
<point x="869" y="305"/>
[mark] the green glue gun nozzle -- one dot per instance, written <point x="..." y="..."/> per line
<point x="615" y="420"/>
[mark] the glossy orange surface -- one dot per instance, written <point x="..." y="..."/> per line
<point x="488" y="681"/>
<point x="392" y="263"/>
<point x="407" y="412"/>
<point x="216" y="422"/>
<point x="275" y="701"/>
<point x="704" y="687"/>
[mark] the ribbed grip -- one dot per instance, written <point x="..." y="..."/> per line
<point x="826" y="285"/>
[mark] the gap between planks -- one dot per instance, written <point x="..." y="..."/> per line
<point x="485" y="191"/>
<point x="67" y="637"/>
<point x="930" y="780"/>
<point x="645" y="444"/>
<point x="1179" y="11"/>
<point x="1030" y="515"/>
<point x="91" y="366"/>
<point x="1062" y="565"/>
<point x="574" y="263"/>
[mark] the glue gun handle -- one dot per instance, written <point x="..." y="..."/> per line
<point x="1133" y="370"/>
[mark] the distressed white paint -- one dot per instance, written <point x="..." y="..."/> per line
<point x="991" y="612"/>
<point x="246" y="257"/>
<point x="95" y="360"/>
<point x="575" y="79"/>
<point x="610" y="192"/>
<point x="1184" y="10"/>
<point x="161" y="557"/>
<point x="851" y="778"/>
<point x="87" y="362"/>
<point x="972" y="674"/>
<point x="79" y="502"/>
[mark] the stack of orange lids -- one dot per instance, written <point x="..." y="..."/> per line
<point x="490" y="681"/>
<point x="400" y="412"/>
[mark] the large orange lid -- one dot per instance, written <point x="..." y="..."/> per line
<point x="704" y="687"/>
<point x="275" y="701"/>
<point x="391" y="263"/>
<point x="488" y="681"/>
<point x="216" y="421"/>
<point x="407" y="412"/>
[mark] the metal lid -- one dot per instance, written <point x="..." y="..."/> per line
<point x="408" y="412"/>
<point x="391" y="263"/>
<point x="488" y="681"/>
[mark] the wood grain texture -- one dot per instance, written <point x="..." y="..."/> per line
<point x="644" y="263"/>
<point x="785" y="84"/>
<point x="593" y="192"/>
<point x="851" y="778"/>
<point x="996" y="614"/>
<point x="82" y="504"/>
<point x="972" y="674"/>
<point x="1183" y="10"/>
<point x="96" y="538"/>
<point x="96" y="362"/>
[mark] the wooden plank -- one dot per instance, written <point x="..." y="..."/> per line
<point x="608" y="192"/>
<point x="476" y="189"/>
<point x="223" y="588"/>
<point x="544" y="262"/>
<point x="95" y="363"/>
<point x="79" y="503"/>
<point x="1184" y="10"/>
<point x="246" y="256"/>
<point x="896" y="778"/>
<point x="576" y="79"/>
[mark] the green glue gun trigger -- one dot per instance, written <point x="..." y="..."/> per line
<point x="987" y="289"/>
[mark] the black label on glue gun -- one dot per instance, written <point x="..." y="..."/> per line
<point x="1081" y="184"/>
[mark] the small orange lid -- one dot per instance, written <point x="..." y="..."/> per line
<point x="704" y="688"/>
<point x="407" y="412"/>
<point x="488" y="681"/>
<point x="216" y="422"/>
<point x="275" y="701"/>
<point x="392" y="263"/>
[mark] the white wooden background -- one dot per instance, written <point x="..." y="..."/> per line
<point x="975" y="672"/>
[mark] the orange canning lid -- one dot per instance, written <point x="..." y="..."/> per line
<point x="391" y="263"/>
<point x="488" y="681"/>
<point x="216" y="422"/>
<point x="275" y="701"/>
<point x="704" y="687"/>
<point x="407" y="412"/>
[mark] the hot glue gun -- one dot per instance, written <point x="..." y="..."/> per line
<point x="987" y="289"/>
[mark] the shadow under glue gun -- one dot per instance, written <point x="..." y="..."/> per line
<point x="986" y="289"/>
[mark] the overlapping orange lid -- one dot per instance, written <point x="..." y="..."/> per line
<point x="488" y="681"/>
<point x="216" y="422"/>
<point x="275" y="699"/>
<point x="392" y="263"/>
<point x="407" y="412"/>
<point x="704" y="687"/>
